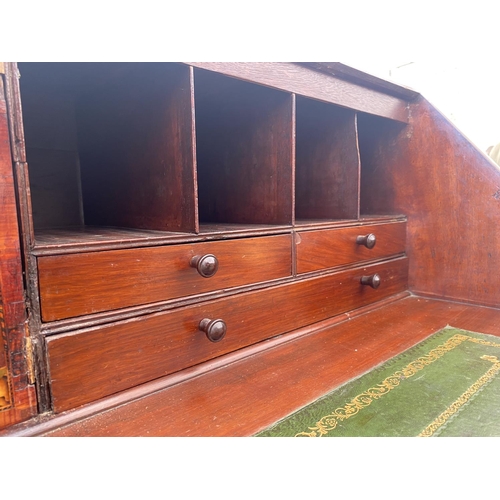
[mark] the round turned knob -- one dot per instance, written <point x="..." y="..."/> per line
<point x="206" y="265"/>
<point x="215" y="329"/>
<point x="368" y="241"/>
<point x="373" y="281"/>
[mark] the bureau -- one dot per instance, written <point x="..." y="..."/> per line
<point x="176" y="217"/>
<point x="175" y="214"/>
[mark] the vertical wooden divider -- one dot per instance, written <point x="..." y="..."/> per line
<point x="358" y="196"/>
<point x="293" y="125"/>
<point x="194" y="198"/>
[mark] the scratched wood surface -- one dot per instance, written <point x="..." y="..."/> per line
<point x="22" y="401"/>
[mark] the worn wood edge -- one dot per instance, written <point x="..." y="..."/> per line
<point x="196" y="213"/>
<point x="44" y="424"/>
<point x="103" y="318"/>
<point x="349" y="73"/>
<point x="14" y="331"/>
<point x="14" y="111"/>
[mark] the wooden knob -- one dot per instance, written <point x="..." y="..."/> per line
<point x="206" y="265"/>
<point x="373" y="281"/>
<point x="215" y="329"/>
<point x="368" y="241"/>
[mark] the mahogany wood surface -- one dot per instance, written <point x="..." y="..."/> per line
<point x="351" y="74"/>
<point x="242" y="398"/>
<point x="317" y="85"/>
<point x="125" y="354"/>
<point x="450" y="192"/>
<point x="244" y="151"/>
<point x="150" y="136"/>
<point x="86" y="283"/>
<point x="17" y="395"/>
<point x="137" y="150"/>
<point x="326" y="248"/>
<point x="327" y="162"/>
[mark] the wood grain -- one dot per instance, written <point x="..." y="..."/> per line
<point x="137" y="150"/>
<point x="86" y="283"/>
<point x="328" y="248"/>
<point x="95" y="363"/>
<point x="302" y="81"/>
<point x="451" y="194"/>
<point x="327" y="162"/>
<point x="244" y="151"/>
<point x="243" y="398"/>
<point x="365" y="79"/>
<point x="22" y="399"/>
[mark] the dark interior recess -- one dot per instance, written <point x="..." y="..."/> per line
<point x="244" y="150"/>
<point x="327" y="162"/>
<point x="110" y="144"/>
<point x="380" y="141"/>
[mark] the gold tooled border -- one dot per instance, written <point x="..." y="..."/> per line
<point x="329" y="422"/>
<point x="431" y="429"/>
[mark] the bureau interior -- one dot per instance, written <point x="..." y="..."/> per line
<point x="109" y="144"/>
<point x="175" y="149"/>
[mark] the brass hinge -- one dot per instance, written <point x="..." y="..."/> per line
<point x="30" y="360"/>
<point x="2" y="68"/>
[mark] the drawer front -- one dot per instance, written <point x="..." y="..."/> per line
<point x="328" y="248"/>
<point x="94" y="363"/>
<point x="87" y="283"/>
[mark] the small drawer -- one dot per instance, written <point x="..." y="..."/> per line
<point x="86" y="283"/>
<point x="90" y="364"/>
<point x="326" y="248"/>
